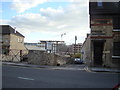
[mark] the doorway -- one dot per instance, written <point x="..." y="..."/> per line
<point x="98" y="52"/>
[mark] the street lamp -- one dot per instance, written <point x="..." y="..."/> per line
<point x="62" y="36"/>
<point x="75" y="45"/>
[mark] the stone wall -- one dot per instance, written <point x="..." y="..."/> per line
<point x="116" y="59"/>
<point x="17" y="43"/>
<point x="101" y="30"/>
<point x="86" y="51"/>
<point x="43" y="58"/>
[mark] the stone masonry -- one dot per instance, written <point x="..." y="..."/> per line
<point x="43" y="58"/>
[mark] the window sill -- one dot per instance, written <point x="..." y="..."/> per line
<point x="115" y="56"/>
<point x="116" y="30"/>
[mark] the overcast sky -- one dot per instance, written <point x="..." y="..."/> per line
<point x="47" y="19"/>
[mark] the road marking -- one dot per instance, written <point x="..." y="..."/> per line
<point x="87" y="70"/>
<point x="26" y="78"/>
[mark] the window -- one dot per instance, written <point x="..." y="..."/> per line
<point x="5" y="50"/>
<point x="20" y="40"/>
<point x="116" y="49"/>
<point x="116" y="22"/>
<point x="99" y="3"/>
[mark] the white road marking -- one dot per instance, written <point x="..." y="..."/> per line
<point x="26" y="78"/>
<point x="87" y="70"/>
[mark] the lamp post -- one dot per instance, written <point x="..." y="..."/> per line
<point x="75" y="45"/>
<point x="62" y="36"/>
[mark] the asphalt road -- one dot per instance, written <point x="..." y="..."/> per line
<point x="27" y="77"/>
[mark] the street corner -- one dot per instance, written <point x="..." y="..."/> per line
<point x="107" y="70"/>
<point x="87" y="69"/>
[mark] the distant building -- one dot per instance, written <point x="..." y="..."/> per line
<point x="46" y="52"/>
<point x="50" y="46"/>
<point x="76" y="47"/>
<point x="33" y="46"/>
<point x="102" y="46"/>
<point x="12" y="43"/>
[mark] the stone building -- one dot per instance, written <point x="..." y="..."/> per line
<point x="86" y="50"/>
<point x="12" y="44"/>
<point x="104" y="39"/>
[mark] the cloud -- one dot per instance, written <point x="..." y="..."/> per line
<point x="73" y="20"/>
<point x="23" y="5"/>
<point x="4" y="22"/>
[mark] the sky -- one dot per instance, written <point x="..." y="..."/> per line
<point x="47" y="19"/>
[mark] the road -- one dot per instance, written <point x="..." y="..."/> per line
<point x="27" y="77"/>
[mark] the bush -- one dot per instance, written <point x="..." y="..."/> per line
<point x="77" y="55"/>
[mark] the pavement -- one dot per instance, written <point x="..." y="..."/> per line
<point x="101" y="69"/>
<point x="65" y="67"/>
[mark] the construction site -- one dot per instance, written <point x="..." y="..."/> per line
<point x="13" y="49"/>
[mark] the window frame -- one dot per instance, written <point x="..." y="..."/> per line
<point x="116" y="49"/>
<point x="99" y="3"/>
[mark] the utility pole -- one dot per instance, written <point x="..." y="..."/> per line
<point x="75" y="45"/>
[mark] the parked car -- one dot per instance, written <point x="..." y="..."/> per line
<point x="78" y="61"/>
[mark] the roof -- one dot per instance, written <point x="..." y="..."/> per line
<point x="7" y="29"/>
<point x="86" y="39"/>
<point x="32" y="47"/>
<point x="34" y="44"/>
<point x="50" y="41"/>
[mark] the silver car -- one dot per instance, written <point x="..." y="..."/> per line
<point x="78" y="61"/>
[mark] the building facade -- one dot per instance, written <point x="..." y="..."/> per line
<point x="12" y="44"/>
<point x="104" y="39"/>
<point x="51" y="46"/>
<point x="33" y="46"/>
<point x="76" y="47"/>
<point x="86" y="50"/>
